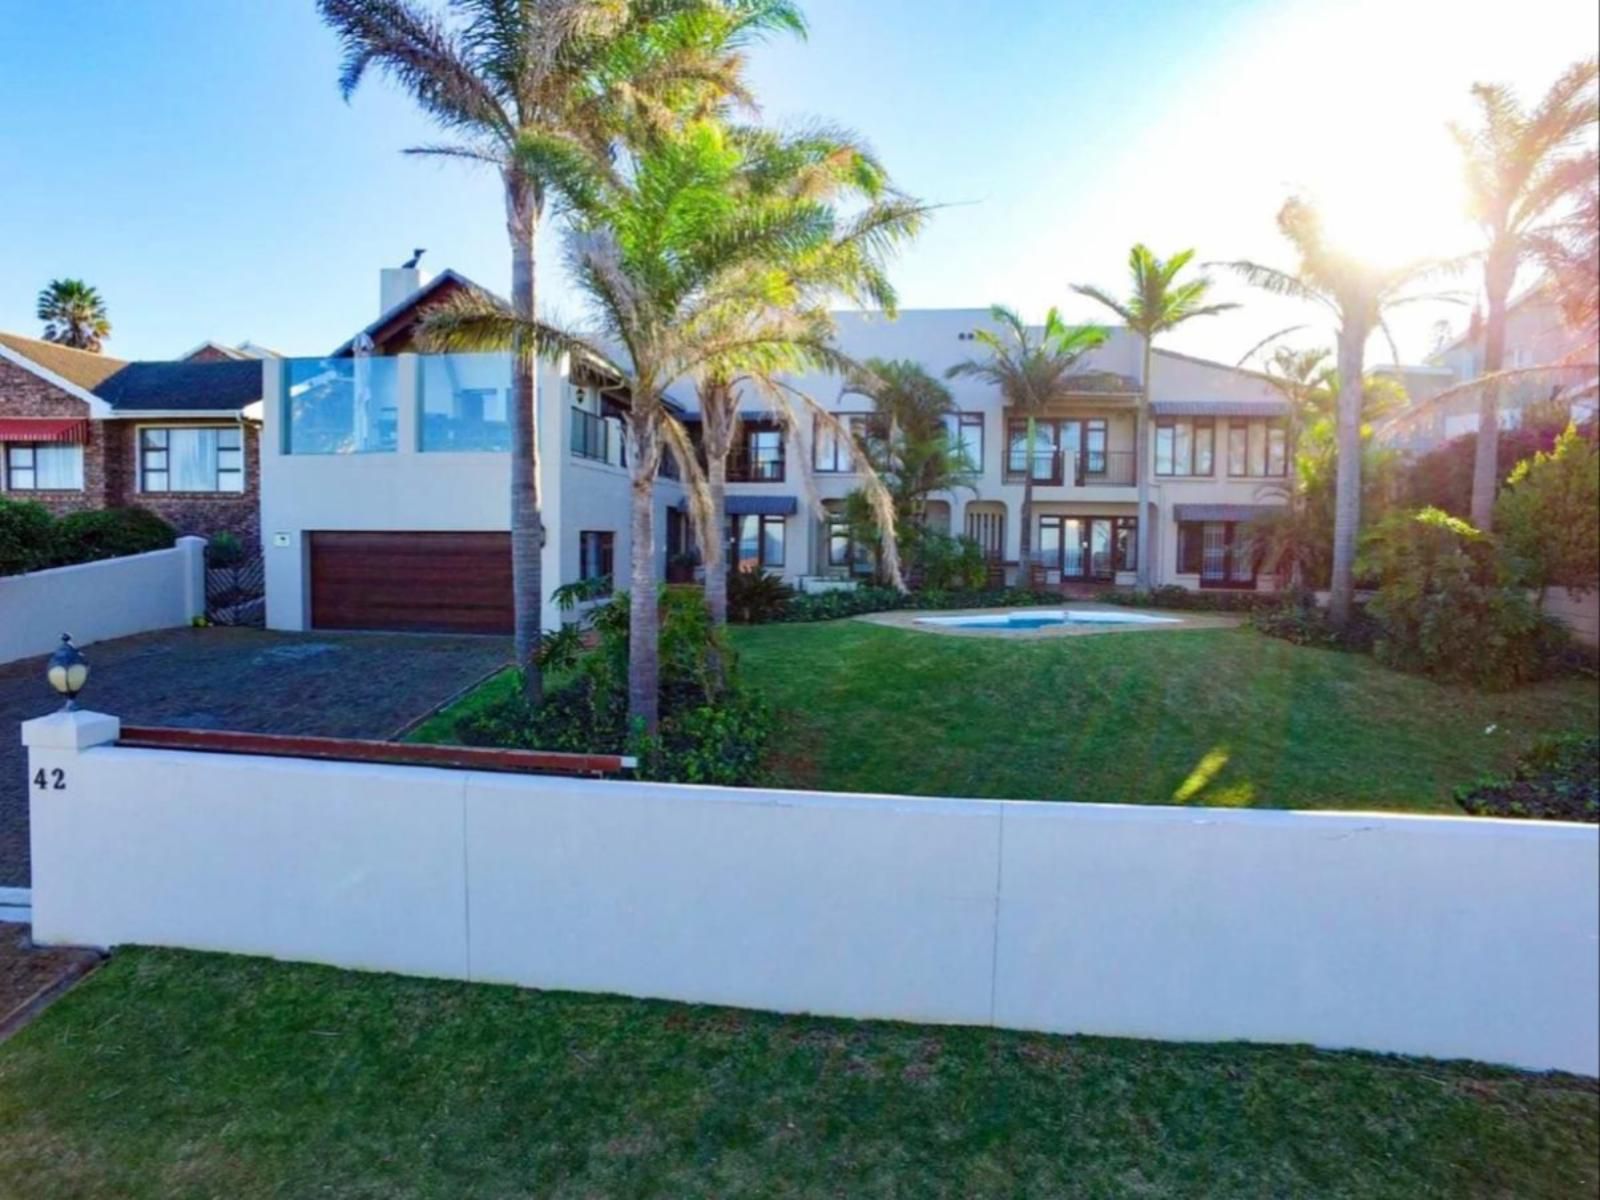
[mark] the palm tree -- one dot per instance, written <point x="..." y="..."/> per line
<point x="825" y="165"/>
<point x="665" y="246"/>
<point x="74" y="315"/>
<point x="1032" y="371"/>
<point x="521" y="87"/>
<point x="1357" y="295"/>
<point x="1523" y="170"/>
<point x="1157" y="304"/>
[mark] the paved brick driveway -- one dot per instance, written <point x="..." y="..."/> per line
<point x="333" y="684"/>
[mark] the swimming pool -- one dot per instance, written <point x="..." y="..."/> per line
<point x="1042" y="618"/>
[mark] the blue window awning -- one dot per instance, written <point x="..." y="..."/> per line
<point x="757" y="506"/>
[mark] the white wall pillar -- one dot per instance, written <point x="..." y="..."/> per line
<point x="282" y="548"/>
<point x="193" y="550"/>
<point x="408" y="404"/>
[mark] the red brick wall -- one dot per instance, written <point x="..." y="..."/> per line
<point x="110" y="466"/>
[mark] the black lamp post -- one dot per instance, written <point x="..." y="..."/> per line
<point x="67" y="672"/>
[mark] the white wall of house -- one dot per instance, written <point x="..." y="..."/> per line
<point x="1451" y="937"/>
<point x="433" y="491"/>
<point x="93" y="601"/>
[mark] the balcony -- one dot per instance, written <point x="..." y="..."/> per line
<point x="744" y="469"/>
<point x="598" y="438"/>
<point x="1097" y="468"/>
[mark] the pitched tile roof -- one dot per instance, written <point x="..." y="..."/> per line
<point x="146" y="386"/>
<point x="75" y="366"/>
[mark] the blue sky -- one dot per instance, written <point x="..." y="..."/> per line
<point x="194" y="160"/>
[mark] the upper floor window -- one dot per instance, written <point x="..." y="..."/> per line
<point x="964" y="432"/>
<point x="760" y="455"/>
<point x="830" y="449"/>
<point x="1185" y="447"/>
<point x="44" y="467"/>
<point x="191" y="460"/>
<point x="1258" y="448"/>
<point x="596" y="556"/>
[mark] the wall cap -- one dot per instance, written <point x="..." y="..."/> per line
<point x="75" y="730"/>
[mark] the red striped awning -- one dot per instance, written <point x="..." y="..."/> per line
<point x="43" y="429"/>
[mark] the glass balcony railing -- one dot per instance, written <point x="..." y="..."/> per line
<point x="466" y="399"/>
<point x="341" y="405"/>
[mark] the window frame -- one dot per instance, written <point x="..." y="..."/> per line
<point x="143" y="471"/>
<point x="1191" y="555"/>
<point x="748" y="434"/>
<point x="31" y="449"/>
<point x="1196" y="426"/>
<point x="1273" y="430"/>
<point x="762" y="520"/>
<point x="602" y="544"/>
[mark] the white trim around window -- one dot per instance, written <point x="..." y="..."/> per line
<point x="190" y="459"/>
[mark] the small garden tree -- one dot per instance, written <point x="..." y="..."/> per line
<point x="1548" y="517"/>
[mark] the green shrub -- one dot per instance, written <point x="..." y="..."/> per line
<point x="1171" y="595"/>
<point x="756" y="597"/>
<point x="224" y="550"/>
<point x="27" y="536"/>
<point x="1442" y="610"/>
<point x="711" y="730"/>
<point x="948" y="563"/>
<point x="110" y="533"/>
<point x="1548" y="516"/>
<point x="1558" y="779"/>
<point x="1300" y="620"/>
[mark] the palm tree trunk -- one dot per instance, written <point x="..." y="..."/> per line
<point x="1486" y="459"/>
<point x="1141" y="467"/>
<point x="644" y="612"/>
<point x="1347" y="479"/>
<point x="523" y="205"/>
<point x="717" y="415"/>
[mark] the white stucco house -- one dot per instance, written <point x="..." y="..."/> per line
<point x="385" y="474"/>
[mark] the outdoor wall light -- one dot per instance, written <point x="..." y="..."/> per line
<point x="67" y="672"/>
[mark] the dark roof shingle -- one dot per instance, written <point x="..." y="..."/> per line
<point x="182" y="386"/>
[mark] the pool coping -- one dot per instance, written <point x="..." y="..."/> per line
<point x="907" y="619"/>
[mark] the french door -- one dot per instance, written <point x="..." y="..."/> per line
<point x="1079" y="547"/>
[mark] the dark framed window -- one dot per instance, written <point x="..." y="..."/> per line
<point x="191" y="459"/>
<point x="763" y="453"/>
<point x="1126" y="555"/>
<point x="1083" y="547"/>
<point x="1044" y="449"/>
<point x="1222" y="553"/>
<point x="596" y="556"/>
<point x="830" y="450"/>
<point x="1258" y="448"/>
<point x="1185" y="446"/>
<point x="755" y="542"/>
<point x="964" y="431"/>
<point x="44" y="467"/>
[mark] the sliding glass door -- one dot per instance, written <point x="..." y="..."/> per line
<point x="1081" y="547"/>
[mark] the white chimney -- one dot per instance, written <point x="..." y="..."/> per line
<point x="395" y="284"/>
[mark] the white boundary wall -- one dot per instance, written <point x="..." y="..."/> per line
<point x="1452" y="937"/>
<point x="93" y="601"/>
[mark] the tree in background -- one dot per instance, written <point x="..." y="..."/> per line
<point x="1524" y="170"/>
<point x="1157" y="305"/>
<point x="528" y="89"/>
<point x="74" y="315"/>
<point x="828" y="166"/>
<point x="1548" y="516"/>
<point x="1032" y="371"/>
<point x="907" y="446"/>
<point x="1357" y="295"/>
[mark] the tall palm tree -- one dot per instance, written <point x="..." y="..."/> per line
<point x="1032" y="371"/>
<point x="1524" y="168"/>
<point x="74" y="315"/>
<point x="1157" y="304"/>
<point x="664" y="247"/>
<point x="522" y="86"/>
<point x="1357" y="295"/>
<point x="826" y="165"/>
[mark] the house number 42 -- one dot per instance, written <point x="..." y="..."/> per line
<point x="55" y="779"/>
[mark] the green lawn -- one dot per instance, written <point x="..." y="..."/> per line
<point x="1223" y="717"/>
<point x="172" y="1074"/>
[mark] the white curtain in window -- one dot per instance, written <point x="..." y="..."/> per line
<point x="193" y="456"/>
<point x="58" y="468"/>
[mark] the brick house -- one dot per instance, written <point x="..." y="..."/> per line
<point x="181" y="439"/>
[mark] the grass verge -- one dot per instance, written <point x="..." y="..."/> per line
<point x="172" y="1074"/>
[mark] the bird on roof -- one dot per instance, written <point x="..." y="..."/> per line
<point x="411" y="262"/>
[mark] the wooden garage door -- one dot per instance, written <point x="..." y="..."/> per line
<point x="441" y="582"/>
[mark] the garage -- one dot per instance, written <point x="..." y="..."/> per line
<point x="424" y="582"/>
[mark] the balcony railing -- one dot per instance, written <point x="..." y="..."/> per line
<point x="1110" y="468"/>
<point x="595" y="438"/>
<point x="742" y="469"/>
<point x="1088" y="468"/>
